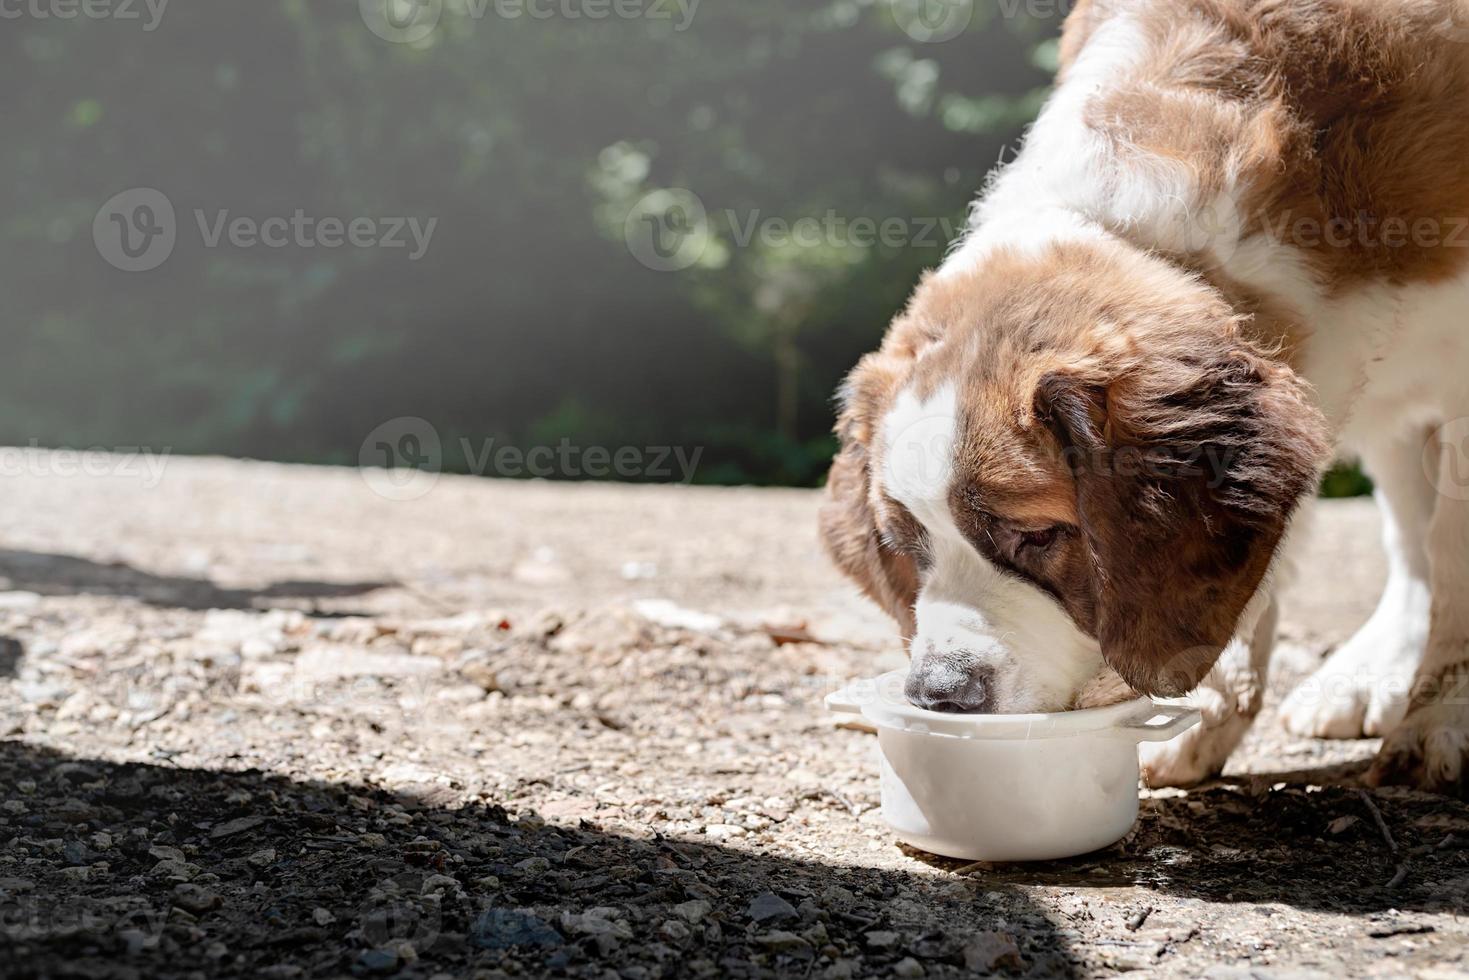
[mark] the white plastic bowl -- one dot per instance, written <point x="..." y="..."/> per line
<point x="1008" y="787"/>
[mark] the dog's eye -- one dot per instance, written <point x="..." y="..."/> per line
<point x="1039" y="540"/>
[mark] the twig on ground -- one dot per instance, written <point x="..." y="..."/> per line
<point x="1401" y="874"/>
<point x="1136" y="920"/>
<point x="1392" y="845"/>
<point x="1449" y="841"/>
<point x="853" y="807"/>
<point x="862" y="922"/>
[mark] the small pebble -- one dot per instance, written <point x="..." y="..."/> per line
<point x="194" y="898"/>
<point x="692" y="912"/>
<point x="770" y="907"/>
<point x="378" y="961"/>
<point x="533" y="867"/>
<point x="724" y="831"/>
<point x="990" y="951"/>
<point x="782" y="942"/>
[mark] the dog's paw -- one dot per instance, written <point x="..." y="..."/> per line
<point x="1429" y="750"/>
<point x="1362" y="690"/>
<point x="1200" y="752"/>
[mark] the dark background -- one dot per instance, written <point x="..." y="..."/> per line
<point x="530" y="319"/>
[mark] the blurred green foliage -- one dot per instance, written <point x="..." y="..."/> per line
<point x="531" y="141"/>
<point x="529" y="320"/>
<point x="1345" y="480"/>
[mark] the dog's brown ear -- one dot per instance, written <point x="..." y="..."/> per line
<point x="848" y="524"/>
<point x="850" y="532"/>
<point x="1188" y="465"/>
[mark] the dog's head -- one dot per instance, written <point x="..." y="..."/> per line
<point x="1064" y="459"/>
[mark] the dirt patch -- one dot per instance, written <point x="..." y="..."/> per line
<point x="259" y="722"/>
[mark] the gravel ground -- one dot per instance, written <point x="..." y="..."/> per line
<point x="257" y="721"/>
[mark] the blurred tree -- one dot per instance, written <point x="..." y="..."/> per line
<point x="537" y="145"/>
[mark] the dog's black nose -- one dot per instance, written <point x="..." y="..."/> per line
<point x="971" y="695"/>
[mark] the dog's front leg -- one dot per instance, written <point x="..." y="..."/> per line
<point x="1430" y="747"/>
<point x="1229" y="699"/>
<point x="1363" y="687"/>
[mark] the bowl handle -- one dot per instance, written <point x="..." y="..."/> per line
<point x="1160" y="722"/>
<point x="847" y="701"/>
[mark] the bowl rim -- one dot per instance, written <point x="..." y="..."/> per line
<point x="880" y="701"/>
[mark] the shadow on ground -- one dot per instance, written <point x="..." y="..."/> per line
<point x="1307" y="844"/>
<point x="147" y="871"/>
<point x="48" y="574"/>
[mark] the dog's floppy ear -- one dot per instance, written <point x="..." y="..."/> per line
<point x="1188" y="463"/>
<point x="848" y="525"/>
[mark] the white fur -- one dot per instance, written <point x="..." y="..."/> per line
<point x="1068" y="184"/>
<point x="970" y="613"/>
<point x="1363" y="688"/>
<point x="1388" y="365"/>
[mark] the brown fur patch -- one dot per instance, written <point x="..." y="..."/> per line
<point x="1345" y="121"/>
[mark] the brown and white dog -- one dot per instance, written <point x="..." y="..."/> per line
<point x="1236" y="242"/>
